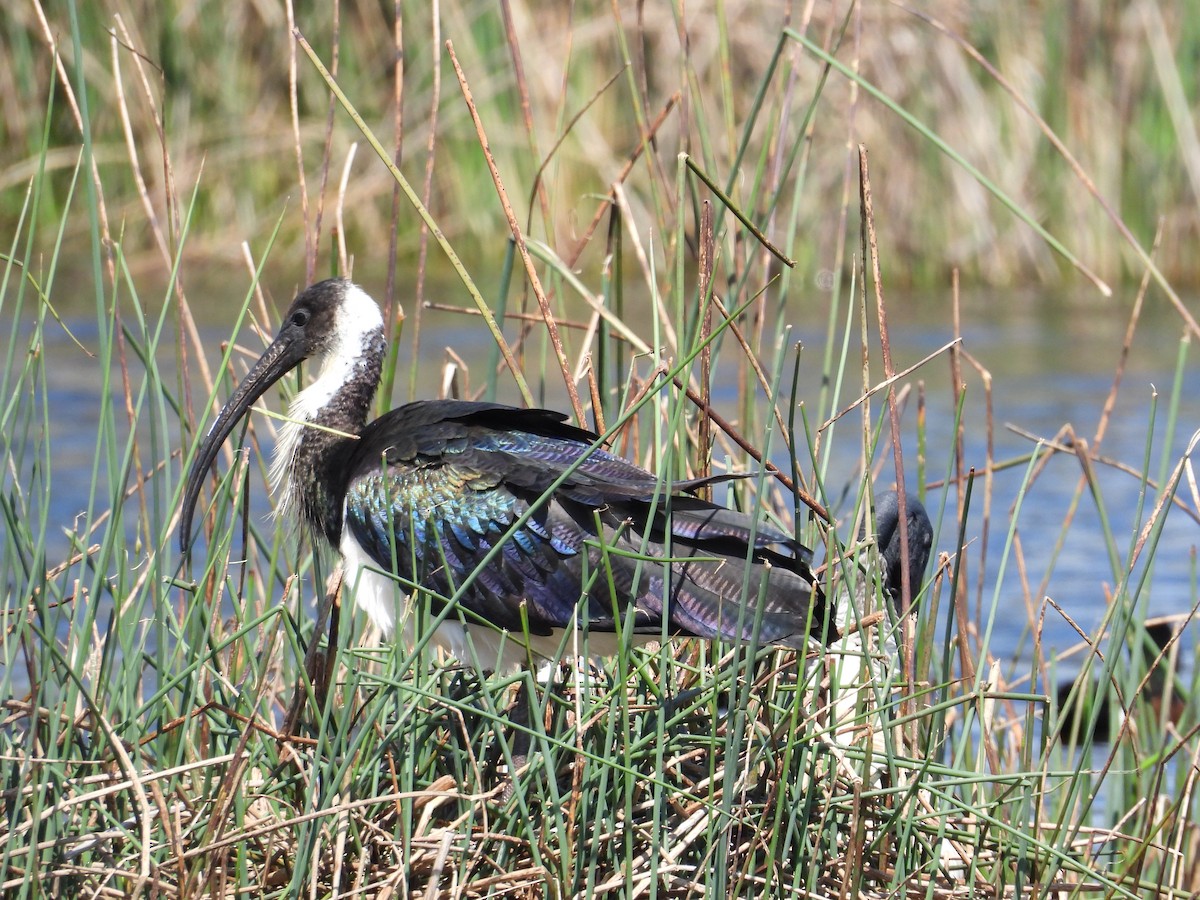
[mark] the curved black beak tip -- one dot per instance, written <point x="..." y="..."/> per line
<point x="187" y="513"/>
<point x="283" y="355"/>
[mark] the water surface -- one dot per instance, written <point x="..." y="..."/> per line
<point x="1052" y="364"/>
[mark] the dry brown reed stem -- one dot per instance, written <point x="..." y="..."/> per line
<point x="1135" y="314"/>
<point x="219" y="819"/>
<point x="1064" y="437"/>
<point x="958" y="599"/>
<point x="519" y="237"/>
<point x="423" y="797"/>
<point x="345" y="265"/>
<point x="537" y="189"/>
<point x="630" y="224"/>
<point x="98" y="521"/>
<point x="957" y="387"/>
<point x="93" y="169"/>
<point x="232" y="715"/>
<point x="889" y="382"/>
<point x="514" y="50"/>
<point x="1118" y="744"/>
<point x="1191" y="474"/>
<point x="172" y="835"/>
<point x="135" y="163"/>
<point x="1066" y="444"/>
<point x="1109" y="403"/>
<point x="130" y="770"/>
<point x="753" y="452"/>
<point x="174" y="213"/>
<point x="105" y="784"/>
<point x="1031" y="609"/>
<point x="737" y="212"/>
<point x="451" y="369"/>
<point x="841" y="232"/>
<point x="310" y="252"/>
<point x="573" y="256"/>
<point x="658" y="180"/>
<point x="1167" y="491"/>
<point x="922" y="429"/>
<point x="107" y="244"/>
<point x="989" y="471"/>
<point x="318" y="663"/>
<point x="327" y="149"/>
<point x="598" y="425"/>
<point x="571" y="324"/>
<point x="704" y="289"/>
<point x="583" y="367"/>
<point x="389" y="291"/>
<point x="902" y="396"/>
<point x="872" y="247"/>
<point x="889" y="371"/>
<point x="435" y="106"/>
<point x="752" y="359"/>
<point x="422" y="211"/>
<point x="262" y="325"/>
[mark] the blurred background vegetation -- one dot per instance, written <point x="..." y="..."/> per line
<point x="1116" y="82"/>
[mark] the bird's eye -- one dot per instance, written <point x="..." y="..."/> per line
<point x="300" y="318"/>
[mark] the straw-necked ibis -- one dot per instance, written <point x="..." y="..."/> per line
<point x="518" y="515"/>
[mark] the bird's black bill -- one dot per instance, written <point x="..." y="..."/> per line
<point x="283" y="355"/>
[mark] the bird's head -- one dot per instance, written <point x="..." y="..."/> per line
<point x="323" y="321"/>
<point x="920" y="542"/>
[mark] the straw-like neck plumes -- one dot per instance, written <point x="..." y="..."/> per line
<point x="308" y="468"/>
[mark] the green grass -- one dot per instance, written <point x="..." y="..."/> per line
<point x="142" y="750"/>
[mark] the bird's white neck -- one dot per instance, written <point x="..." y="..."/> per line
<point x="339" y="398"/>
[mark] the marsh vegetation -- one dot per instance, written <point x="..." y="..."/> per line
<point x="623" y="213"/>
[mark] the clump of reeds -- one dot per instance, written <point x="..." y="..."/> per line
<point x="145" y="751"/>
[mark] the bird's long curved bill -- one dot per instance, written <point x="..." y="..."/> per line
<point x="277" y="360"/>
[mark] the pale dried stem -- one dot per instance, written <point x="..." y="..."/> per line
<point x="519" y="237"/>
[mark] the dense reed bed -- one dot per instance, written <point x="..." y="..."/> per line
<point x="177" y="730"/>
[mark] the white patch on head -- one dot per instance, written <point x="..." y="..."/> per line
<point x="357" y="322"/>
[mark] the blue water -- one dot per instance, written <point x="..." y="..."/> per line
<point x="1052" y="368"/>
<point x="1052" y="365"/>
